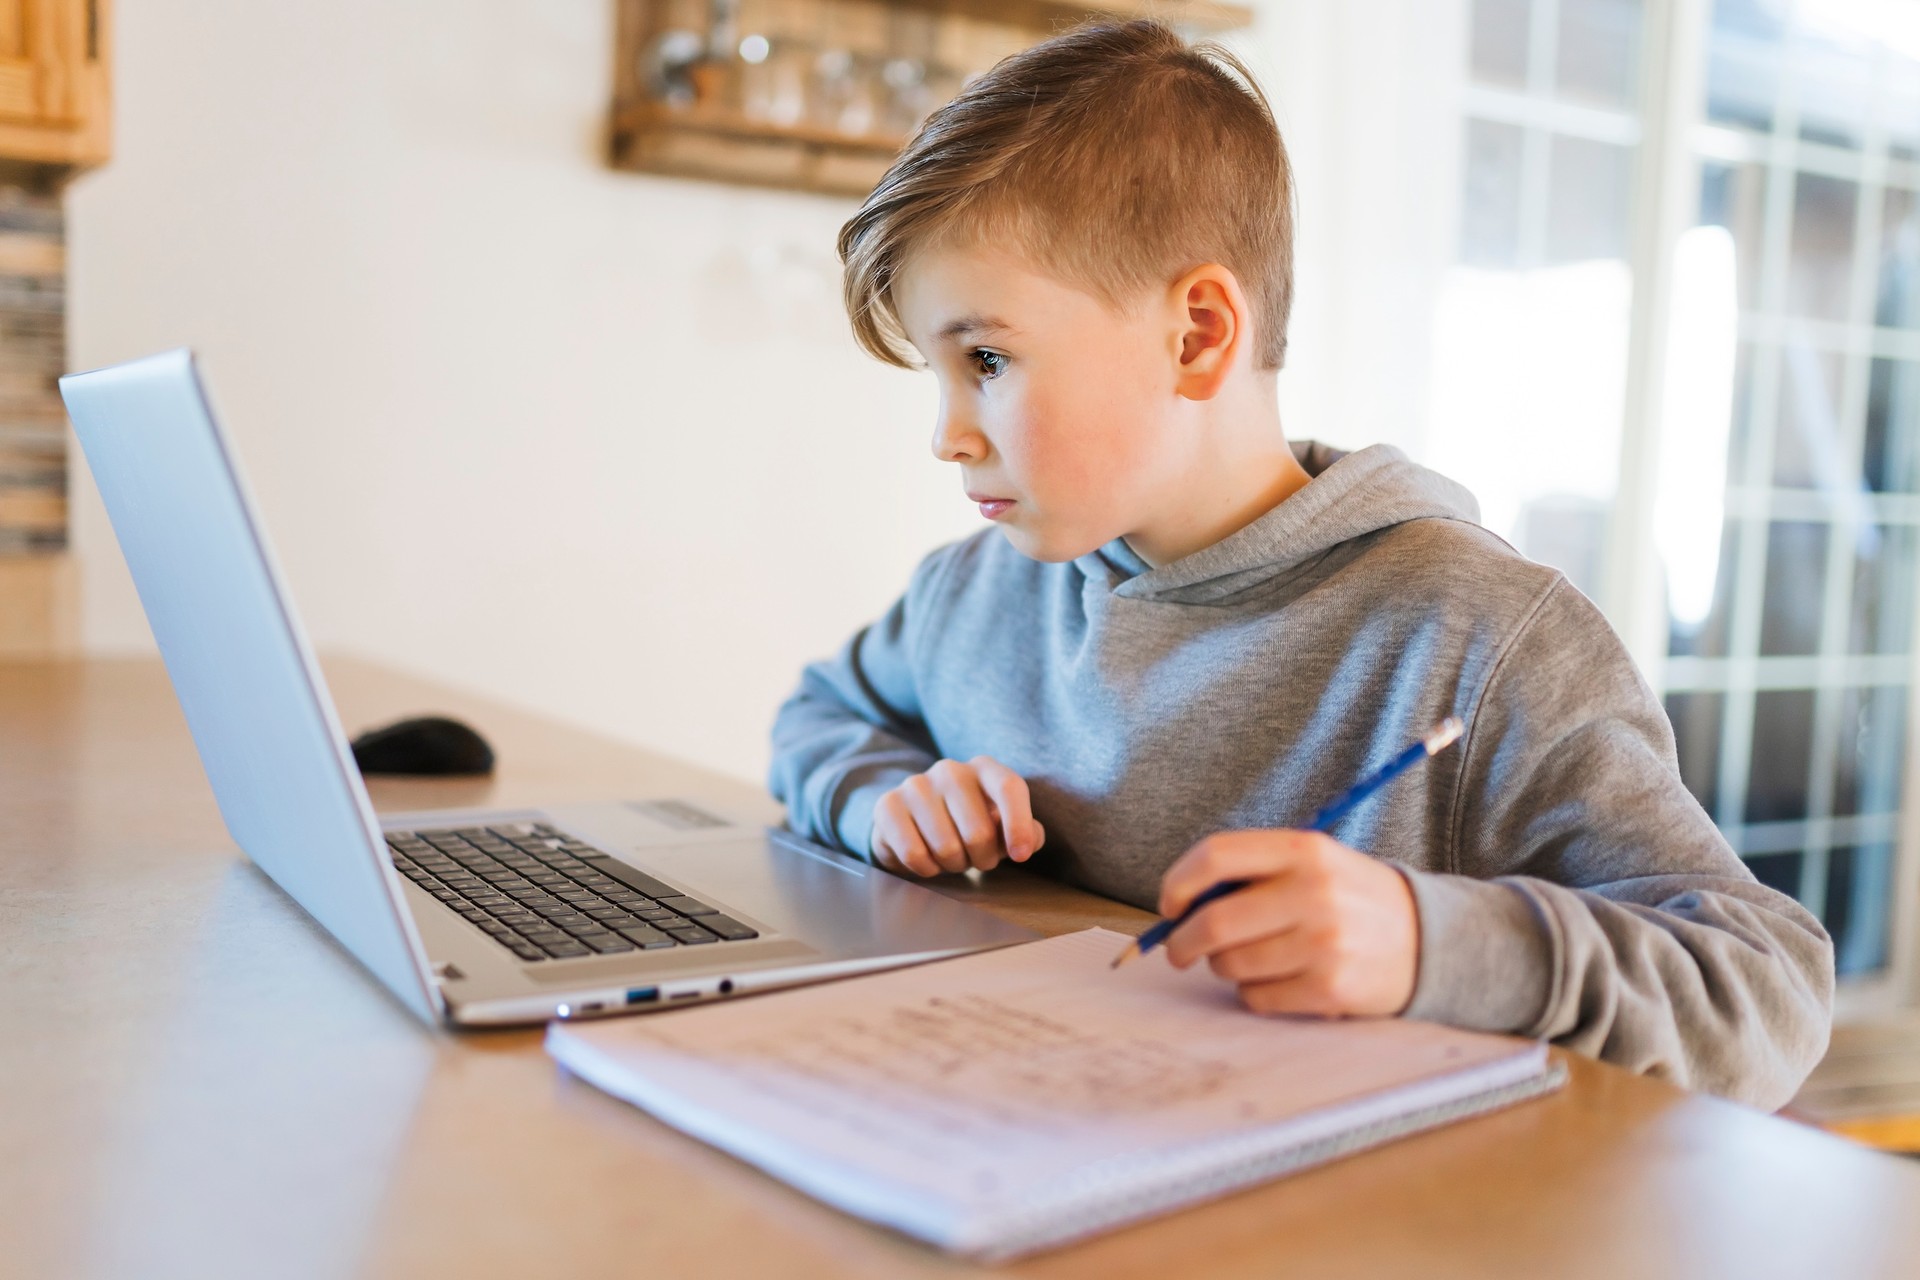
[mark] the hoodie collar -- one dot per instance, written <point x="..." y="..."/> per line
<point x="1351" y="494"/>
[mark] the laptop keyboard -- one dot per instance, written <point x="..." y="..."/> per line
<point x="544" y="895"/>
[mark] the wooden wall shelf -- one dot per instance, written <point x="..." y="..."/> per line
<point x="820" y="95"/>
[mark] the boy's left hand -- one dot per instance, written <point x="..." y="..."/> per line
<point x="1323" y="929"/>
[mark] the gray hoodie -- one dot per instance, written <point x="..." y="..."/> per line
<point x="1568" y="885"/>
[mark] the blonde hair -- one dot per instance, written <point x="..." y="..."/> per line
<point x="1114" y="157"/>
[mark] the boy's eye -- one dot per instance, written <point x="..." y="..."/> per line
<point x="991" y="363"/>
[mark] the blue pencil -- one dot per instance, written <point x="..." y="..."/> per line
<point x="1442" y="737"/>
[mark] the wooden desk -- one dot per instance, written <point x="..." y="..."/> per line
<point x="194" y="1081"/>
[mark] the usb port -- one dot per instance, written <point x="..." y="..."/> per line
<point x="643" y="995"/>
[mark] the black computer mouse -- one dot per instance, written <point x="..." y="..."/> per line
<point x="429" y="745"/>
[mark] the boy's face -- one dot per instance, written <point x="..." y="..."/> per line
<point x="1056" y="408"/>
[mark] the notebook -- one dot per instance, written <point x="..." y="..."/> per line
<point x="1013" y="1100"/>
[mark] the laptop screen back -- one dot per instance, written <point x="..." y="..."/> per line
<point x="240" y="665"/>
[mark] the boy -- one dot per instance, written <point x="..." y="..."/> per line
<point x="1192" y="634"/>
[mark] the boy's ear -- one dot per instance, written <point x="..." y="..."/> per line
<point x="1210" y="329"/>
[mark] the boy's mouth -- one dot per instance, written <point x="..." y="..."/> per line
<point x="990" y="507"/>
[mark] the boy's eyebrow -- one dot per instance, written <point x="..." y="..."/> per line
<point x="975" y="324"/>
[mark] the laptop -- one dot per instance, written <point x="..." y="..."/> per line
<point x="469" y="917"/>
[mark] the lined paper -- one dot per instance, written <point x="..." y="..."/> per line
<point x="958" y="1092"/>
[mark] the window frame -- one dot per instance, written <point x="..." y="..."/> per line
<point x="1676" y="140"/>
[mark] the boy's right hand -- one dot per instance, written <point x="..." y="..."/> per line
<point x="955" y="816"/>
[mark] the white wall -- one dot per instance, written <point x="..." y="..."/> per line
<point x="1368" y="97"/>
<point x="592" y="442"/>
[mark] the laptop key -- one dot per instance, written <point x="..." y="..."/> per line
<point x="687" y="906"/>
<point x="527" y="952"/>
<point x="608" y="944"/>
<point x="647" y="939"/>
<point x="690" y="935"/>
<point x="565" y="950"/>
<point x="728" y="928"/>
<point x="623" y="921"/>
<point x="630" y="877"/>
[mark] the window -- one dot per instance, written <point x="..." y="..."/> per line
<point x="1745" y="432"/>
<point x="1792" y="683"/>
<point x="1530" y="344"/>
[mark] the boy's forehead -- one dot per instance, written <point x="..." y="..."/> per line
<point x="960" y="294"/>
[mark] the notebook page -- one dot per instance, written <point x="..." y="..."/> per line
<point x="930" y="1096"/>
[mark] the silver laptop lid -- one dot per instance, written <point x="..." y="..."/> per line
<point x="241" y="666"/>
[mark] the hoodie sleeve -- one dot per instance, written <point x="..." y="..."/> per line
<point x="1598" y="905"/>
<point x="853" y="730"/>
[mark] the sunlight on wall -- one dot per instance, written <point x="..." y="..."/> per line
<point x="1690" y="504"/>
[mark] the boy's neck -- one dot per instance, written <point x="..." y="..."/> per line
<point x="1246" y="470"/>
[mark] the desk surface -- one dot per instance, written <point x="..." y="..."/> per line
<point x="195" y="1081"/>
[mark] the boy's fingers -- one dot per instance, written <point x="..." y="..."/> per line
<point x="967" y="806"/>
<point x="1010" y="796"/>
<point x="1307" y="992"/>
<point x="1272" y="959"/>
<point x="936" y="826"/>
<point x="1231" y="855"/>
<point x="1257" y="912"/>
<point x="897" y="839"/>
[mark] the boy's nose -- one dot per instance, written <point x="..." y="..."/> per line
<point x="956" y="441"/>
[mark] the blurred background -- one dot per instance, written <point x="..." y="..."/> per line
<point x="525" y="319"/>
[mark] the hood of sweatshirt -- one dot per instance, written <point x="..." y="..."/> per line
<point x="1352" y="495"/>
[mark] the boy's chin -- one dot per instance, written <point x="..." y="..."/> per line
<point x="1039" y="546"/>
